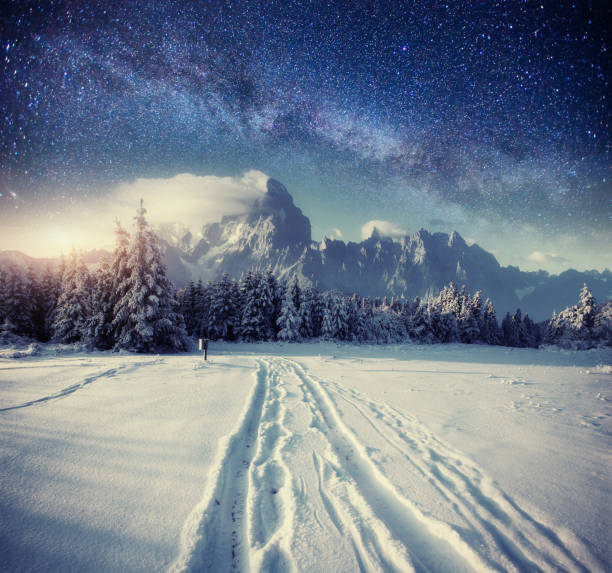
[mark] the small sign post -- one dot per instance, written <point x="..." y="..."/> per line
<point x="203" y="345"/>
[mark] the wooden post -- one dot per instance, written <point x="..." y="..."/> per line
<point x="203" y="345"/>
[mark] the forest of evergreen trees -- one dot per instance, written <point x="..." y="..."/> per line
<point x="129" y="303"/>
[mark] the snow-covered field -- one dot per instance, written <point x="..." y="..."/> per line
<point x="307" y="457"/>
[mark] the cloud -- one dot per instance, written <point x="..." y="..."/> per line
<point x="547" y="258"/>
<point x="191" y="200"/>
<point x="336" y="233"/>
<point x="384" y="228"/>
<point x="186" y="199"/>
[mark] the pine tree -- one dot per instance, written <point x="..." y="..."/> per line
<point x="469" y="326"/>
<point x="18" y="304"/>
<point x="99" y="329"/>
<point x="450" y="303"/>
<point x="305" y="313"/>
<point x="120" y="273"/>
<point x="367" y="316"/>
<point x="186" y="299"/>
<point x="602" y="329"/>
<point x="50" y="290"/>
<point x="528" y="333"/>
<point x="328" y="324"/>
<point x="271" y="303"/>
<point x="253" y="323"/>
<point x="489" y="332"/>
<point x="202" y="310"/>
<point x="147" y="314"/>
<point x="585" y="317"/>
<point x="289" y="320"/>
<point x="507" y="330"/>
<point x="225" y="307"/>
<point x="73" y="305"/>
<point x="342" y="319"/>
<point x="8" y="332"/>
<point x="316" y="313"/>
<point x="421" y="329"/>
<point x="37" y="304"/>
<point x="296" y="296"/>
<point x="554" y="329"/>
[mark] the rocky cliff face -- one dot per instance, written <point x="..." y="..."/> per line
<point x="277" y="234"/>
<point x="273" y="233"/>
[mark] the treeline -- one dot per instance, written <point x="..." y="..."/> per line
<point x="259" y="308"/>
<point x="129" y="303"/>
<point x="584" y="325"/>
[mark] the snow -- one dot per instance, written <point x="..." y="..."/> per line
<point x="307" y="457"/>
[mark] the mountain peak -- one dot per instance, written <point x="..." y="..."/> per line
<point x="455" y="239"/>
<point x="277" y="194"/>
<point x="291" y="226"/>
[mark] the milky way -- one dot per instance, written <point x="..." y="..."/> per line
<point x="495" y="107"/>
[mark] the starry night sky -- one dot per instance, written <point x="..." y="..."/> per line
<point x="491" y="118"/>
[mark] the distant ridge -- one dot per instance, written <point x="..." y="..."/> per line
<point x="275" y="233"/>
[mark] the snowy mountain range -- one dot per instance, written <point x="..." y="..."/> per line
<point x="275" y="233"/>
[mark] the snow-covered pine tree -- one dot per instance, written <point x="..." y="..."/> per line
<point x="489" y="332"/>
<point x="50" y="290"/>
<point x="552" y="330"/>
<point x="98" y="329"/>
<point x="517" y="320"/>
<point x="359" y="327"/>
<point x="328" y="323"/>
<point x="434" y="311"/>
<point x="478" y="314"/>
<point x="448" y="327"/>
<point x="18" y="301"/>
<point x="449" y="298"/>
<point x="468" y="324"/>
<point x="120" y="273"/>
<point x="296" y="295"/>
<point x="147" y="313"/>
<point x="72" y="309"/>
<point x="305" y="312"/>
<point x="202" y="309"/>
<point x="465" y="300"/>
<point x="507" y="331"/>
<point x="272" y="303"/>
<point x="528" y="334"/>
<point x="342" y="319"/>
<point x="603" y="325"/>
<point x="36" y="310"/>
<point x="511" y="329"/>
<point x="225" y="306"/>
<point x="253" y="322"/>
<point x="289" y="319"/>
<point x="8" y="332"/>
<point x="352" y="312"/>
<point x="366" y="315"/>
<point x="185" y="298"/>
<point x="586" y="313"/>
<point x="421" y="330"/>
<point x="316" y="313"/>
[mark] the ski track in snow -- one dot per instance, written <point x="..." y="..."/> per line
<point x="508" y="537"/>
<point x="85" y="382"/>
<point x="293" y="453"/>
